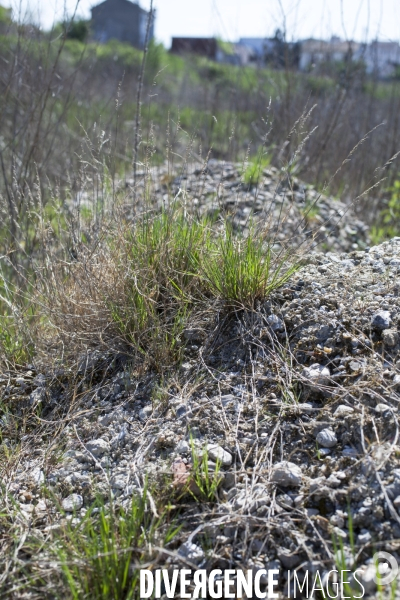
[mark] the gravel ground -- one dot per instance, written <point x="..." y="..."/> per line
<point x="298" y="212"/>
<point x="297" y="402"/>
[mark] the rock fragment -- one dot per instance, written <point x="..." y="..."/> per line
<point x="145" y="412"/>
<point x="72" y="502"/>
<point x="286" y="473"/>
<point x="275" y="323"/>
<point x="217" y="453"/>
<point x="98" y="447"/>
<point x="326" y="438"/>
<point x="343" y="410"/>
<point x="317" y="375"/>
<point x="183" y="447"/>
<point x="191" y="552"/>
<point x="381" y="320"/>
<point x="390" y="337"/>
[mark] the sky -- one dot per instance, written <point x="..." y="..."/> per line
<point x="360" y="20"/>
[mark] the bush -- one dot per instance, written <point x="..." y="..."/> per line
<point x="77" y="30"/>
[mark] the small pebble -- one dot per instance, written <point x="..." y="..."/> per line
<point x="382" y="408"/>
<point x="364" y="538"/>
<point x="390" y="338"/>
<point x="286" y="473"/>
<point x="285" y="500"/>
<point x="72" y="502"/>
<point x="181" y="410"/>
<point x="145" y="412"/>
<point x="191" y="552"/>
<point x="337" y="521"/>
<point x="343" y="410"/>
<point x="183" y="447"/>
<point x="275" y="323"/>
<point x="216" y="453"/>
<point x="381" y="320"/>
<point x="327" y="438"/>
<point x="317" y="375"/>
<point x="355" y="366"/>
<point x="350" y="452"/>
<point x="98" y="447"/>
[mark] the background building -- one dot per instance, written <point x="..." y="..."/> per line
<point x="121" y="20"/>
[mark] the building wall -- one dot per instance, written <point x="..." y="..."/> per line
<point x="382" y="58"/>
<point x="121" y="20"/>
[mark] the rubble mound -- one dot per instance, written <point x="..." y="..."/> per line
<point x="276" y="439"/>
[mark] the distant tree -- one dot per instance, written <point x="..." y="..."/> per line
<point x="5" y="20"/>
<point x="77" y="30"/>
<point x="283" y="54"/>
<point x="5" y="15"/>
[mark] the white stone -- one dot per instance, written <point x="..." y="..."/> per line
<point x="98" y="447"/>
<point x="37" y="476"/>
<point x="286" y="473"/>
<point x="343" y="410"/>
<point x="183" y="447"/>
<point x="145" y="413"/>
<point x="333" y="481"/>
<point x="364" y="537"/>
<point x="217" y="453"/>
<point x="192" y="552"/>
<point x="390" y="337"/>
<point x="337" y="521"/>
<point x="324" y="452"/>
<point x="118" y="482"/>
<point x="72" y="502"/>
<point x="317" y="375"/>
<point x="326" y="438"/>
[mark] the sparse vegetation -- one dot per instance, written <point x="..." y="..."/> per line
<point x="388" y="218"/>
<point x="100" y="557"/>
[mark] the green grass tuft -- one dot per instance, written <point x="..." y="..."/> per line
<point x="101" y="558"/>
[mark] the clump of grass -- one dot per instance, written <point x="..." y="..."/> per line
<point x="242" y="270"/>
<point x="160" y="286"/>
<point x="148" y="282"/>
<point x="98" y="558"/>
<point x="255" y="168"/>
<point x="177" y="263"/>
<point x="101" y="558"/>
<point x="15" y="345"/>
<point x="387" y="226"/>
<point x="204" y="481"/>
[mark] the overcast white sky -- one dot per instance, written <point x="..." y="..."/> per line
<point x="232" y="19"/>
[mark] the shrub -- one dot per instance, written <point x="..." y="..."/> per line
<point x="76" y="30"/>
